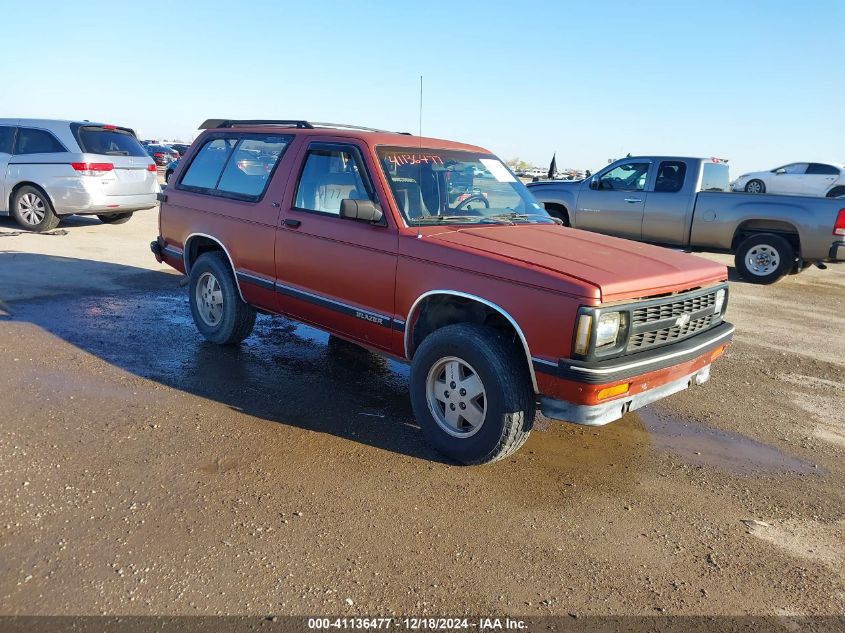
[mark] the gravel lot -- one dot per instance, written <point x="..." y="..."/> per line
<point x="145" y="471"/>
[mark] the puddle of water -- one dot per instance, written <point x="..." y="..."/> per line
<point x="724" y="450"/>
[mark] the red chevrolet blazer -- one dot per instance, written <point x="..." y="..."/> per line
<point x="432" y="252"/>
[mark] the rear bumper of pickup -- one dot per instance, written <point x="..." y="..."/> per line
<point x="574" y="391"/>
<point x="837" y="252"/>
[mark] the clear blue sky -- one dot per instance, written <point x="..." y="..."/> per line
<point x="760" y="83"/>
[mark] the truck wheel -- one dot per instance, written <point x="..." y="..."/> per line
<point x="755" y="186"/>
<point x="764" y="258"/>
<point x="115" y="218"/>
<point x="836" y="192"/>
<point x="220" y="314"/>
<point x="33" y="210"/>
<point x="471" y="393"/>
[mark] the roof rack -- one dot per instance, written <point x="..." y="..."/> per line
<point x="211" y="124"/>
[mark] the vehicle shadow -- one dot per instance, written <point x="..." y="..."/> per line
<point x="285" y="372"/>
<point x="68" y="223"/>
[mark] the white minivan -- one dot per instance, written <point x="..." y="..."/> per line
<point x="50" y="169"/>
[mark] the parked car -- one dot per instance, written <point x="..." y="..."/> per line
<point x="796" y="179"/>
<point x="168" y="172"/>
<point x="685" y="202"/>
<point x="386" y="240"/>
<point x="50" y="169"/>
<point x="162" y="154"/>
<point x="179" y="147"/>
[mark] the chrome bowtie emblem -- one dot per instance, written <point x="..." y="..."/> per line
<point x="682" y="320"/>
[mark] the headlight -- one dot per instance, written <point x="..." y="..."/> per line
<point x="720" y="301"/>
<point x="607" y="329"/>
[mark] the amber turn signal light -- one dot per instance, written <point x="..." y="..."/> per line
<point x="609" y="392"/>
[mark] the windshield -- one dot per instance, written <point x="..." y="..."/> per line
<point x="433" y="186"/>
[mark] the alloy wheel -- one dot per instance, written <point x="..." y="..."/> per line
<point x="209" y="299"/>
<point x="456" y="397"/>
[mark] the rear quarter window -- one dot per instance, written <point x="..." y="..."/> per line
<point x="97" y="140"/>
<point x="35" y="141"/>
<point x="238" y="167"/>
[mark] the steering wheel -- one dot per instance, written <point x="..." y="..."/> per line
<point x="463" y="204"/>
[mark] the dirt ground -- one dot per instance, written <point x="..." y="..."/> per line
<point x="145" y="471"/>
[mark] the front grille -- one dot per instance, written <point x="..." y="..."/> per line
<point x="644" y="340"/>
<point x="656" y="323"/>
<point x="652" y="313"/>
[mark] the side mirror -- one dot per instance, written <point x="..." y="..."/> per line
<point x="780" y="172"/>
<point x="594" y="183"/>
<point x="361" y="210"/>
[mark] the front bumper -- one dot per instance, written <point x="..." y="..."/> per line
<point x="572" y="390"/>
<point x="599" y="414"/>
<point x="837" y="252"/>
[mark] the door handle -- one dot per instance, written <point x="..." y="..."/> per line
<point x="292" y="223"/>
<point x="633" y="200"/>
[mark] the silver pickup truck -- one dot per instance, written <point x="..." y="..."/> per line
<point x="686" y="202"/>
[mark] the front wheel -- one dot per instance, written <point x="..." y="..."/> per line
<point x="115" y="218"/>
<point x="33" y="210"/>
<point x="836" y="192"/>
<point x="764" y="258"/>
<point x="471" y="393"/>
<point x="755" y="186"/>
<point x="219" y="313"/>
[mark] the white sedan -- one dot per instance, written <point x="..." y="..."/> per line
<point x="796" y="179"/>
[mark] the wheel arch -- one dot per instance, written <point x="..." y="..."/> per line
<point x="27" y="183"/>
<point x="198" y="243"/>
<point x="749" y="227"/>
<point x="421" y="302"/>
<point x="560" y="209"/>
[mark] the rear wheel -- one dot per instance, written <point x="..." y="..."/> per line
<point x="219" y="313"/>
<point x="115" y="218"/>
<point x="32" y="209"/>
<point x="755" y="186"/>
<point x="764" y="258"/>
<point x="471" y="393"/>
<point x="836" y="192"/>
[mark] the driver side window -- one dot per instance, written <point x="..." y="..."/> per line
<point x="625" y="177"/>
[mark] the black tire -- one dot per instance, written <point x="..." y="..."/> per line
<point x="755" y="258"/>
<point x="237" y="318"/>
<point x="33" y="210"/>
<point x="167" y="176"/>
<point x="508" y="393"/>
<point x="836" y="192"/>
<point x="755" y="186"/>
<point x="115" y="218"/>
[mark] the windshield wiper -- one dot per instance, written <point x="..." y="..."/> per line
<point x="513" y="215"/>
<point x="447" y="219"/>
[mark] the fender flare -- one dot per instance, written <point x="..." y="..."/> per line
<point x="464" y="295"/>
<point x="186" y="250"/>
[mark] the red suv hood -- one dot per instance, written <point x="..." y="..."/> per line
<point x="620" y="269"/>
